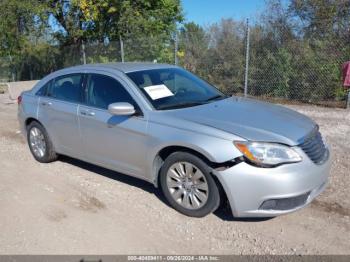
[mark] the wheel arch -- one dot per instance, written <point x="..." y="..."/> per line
<point x="168" y="150"/>
<point x="164" y="152"/>
<point x="29" y="120"/>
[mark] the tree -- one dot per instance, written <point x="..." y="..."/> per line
<point x="323" y="18"/>
<point x="19" y="25"/>
<point x="226" y="55"/>
<point x="194" y="44"/>
<point x="28" y="26"/>
<point x="297" y="49"/>
<point x="78" y="20"/>
<point x="144" y="25"/>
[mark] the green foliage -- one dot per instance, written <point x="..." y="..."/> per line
<point x="216" y="54"/>
<point x="284" y="62"/>
<point x="52" y="32"/>
<point x="193" y="46"/>
<point x="109" y="19"/>
<point x="340" y="94"/>
<point x="322" y="18"/>
<point x="152" y="48"/>
<point x="278" y="66"/>
<point x="34" y="61"/>
<point x="289" y="61"/>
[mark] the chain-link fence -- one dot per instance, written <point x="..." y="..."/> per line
<point x="236" y="58"/>
<point x="44" y="58"/>
<point x="308" y="71"/>
<point x="268" y="64"/>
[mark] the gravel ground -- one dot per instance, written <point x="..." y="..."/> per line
<point x="71" y="207"/>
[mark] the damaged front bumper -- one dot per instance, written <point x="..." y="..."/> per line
<point x="267" y="192"/>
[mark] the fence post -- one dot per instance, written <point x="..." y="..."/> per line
<point x="175" y="49"/>
<point x="121" y="48"/>
<point x="83" y="51"/>
<point x="348" y="101"/>
<point x="246" y="62"/>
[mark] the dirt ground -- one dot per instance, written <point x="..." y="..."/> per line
<point x="71" y="207"/>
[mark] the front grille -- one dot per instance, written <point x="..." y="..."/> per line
<point x="314" y="147"/>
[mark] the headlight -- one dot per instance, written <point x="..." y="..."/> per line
<point x="268" y="154"/>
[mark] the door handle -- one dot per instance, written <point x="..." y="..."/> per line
<point x="87" y="113"/>
<point x="46" y="103"/>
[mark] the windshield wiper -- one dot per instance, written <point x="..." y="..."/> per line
<point x="181" y="105"/>
<point x="191" y="103"/>
<point x="216" y="97"/>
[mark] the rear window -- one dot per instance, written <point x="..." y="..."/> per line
<point x="67" y="88"/>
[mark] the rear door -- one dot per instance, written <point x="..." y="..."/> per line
<point x="58" y="112"/>
<point x="117" y="142"/>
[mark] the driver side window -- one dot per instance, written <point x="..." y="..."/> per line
<point x="103" y="90"/>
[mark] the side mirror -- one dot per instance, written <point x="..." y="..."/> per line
<point x="121" y="109"/>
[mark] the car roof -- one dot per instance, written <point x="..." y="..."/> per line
<point x="123" y="67"/>
<point x="126" y="67"/>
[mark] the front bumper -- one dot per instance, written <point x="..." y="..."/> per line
<point x="251" y="190"/>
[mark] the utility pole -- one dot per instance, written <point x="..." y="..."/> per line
<point x="246" y="62"/>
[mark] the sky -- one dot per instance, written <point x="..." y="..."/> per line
<point x="204" y="12"/>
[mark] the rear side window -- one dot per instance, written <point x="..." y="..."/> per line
<point x="43" y="90"/>
<point x="103" y="90"/>
<point x="67" y="88"/>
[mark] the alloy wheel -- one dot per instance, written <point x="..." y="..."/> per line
<point x="187" y="185"/>
<point x="37" y="142"/>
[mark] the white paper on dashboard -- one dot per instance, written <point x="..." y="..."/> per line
<point x="158" y="91"/>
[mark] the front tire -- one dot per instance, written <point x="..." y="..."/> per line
<point x="39" y="143"/>
<point x="188" y="185"/>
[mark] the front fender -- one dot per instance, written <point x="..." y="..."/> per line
<point x="215" y="149"/>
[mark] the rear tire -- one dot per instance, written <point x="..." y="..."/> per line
<point x="40" y="144"/>
<point x="188" y="185"/>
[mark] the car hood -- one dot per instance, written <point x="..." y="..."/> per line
<point x="251" y="119"/>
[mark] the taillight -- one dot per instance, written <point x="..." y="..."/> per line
<point x="19" y="100"/>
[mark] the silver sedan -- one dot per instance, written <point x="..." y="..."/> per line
<point x="164" y="125"/>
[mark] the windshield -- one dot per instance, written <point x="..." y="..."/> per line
<point x="172" y="88"/>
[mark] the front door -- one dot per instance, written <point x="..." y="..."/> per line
<point x="117" y="142"/>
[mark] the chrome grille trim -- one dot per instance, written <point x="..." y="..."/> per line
<point x="314" y="147"/>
